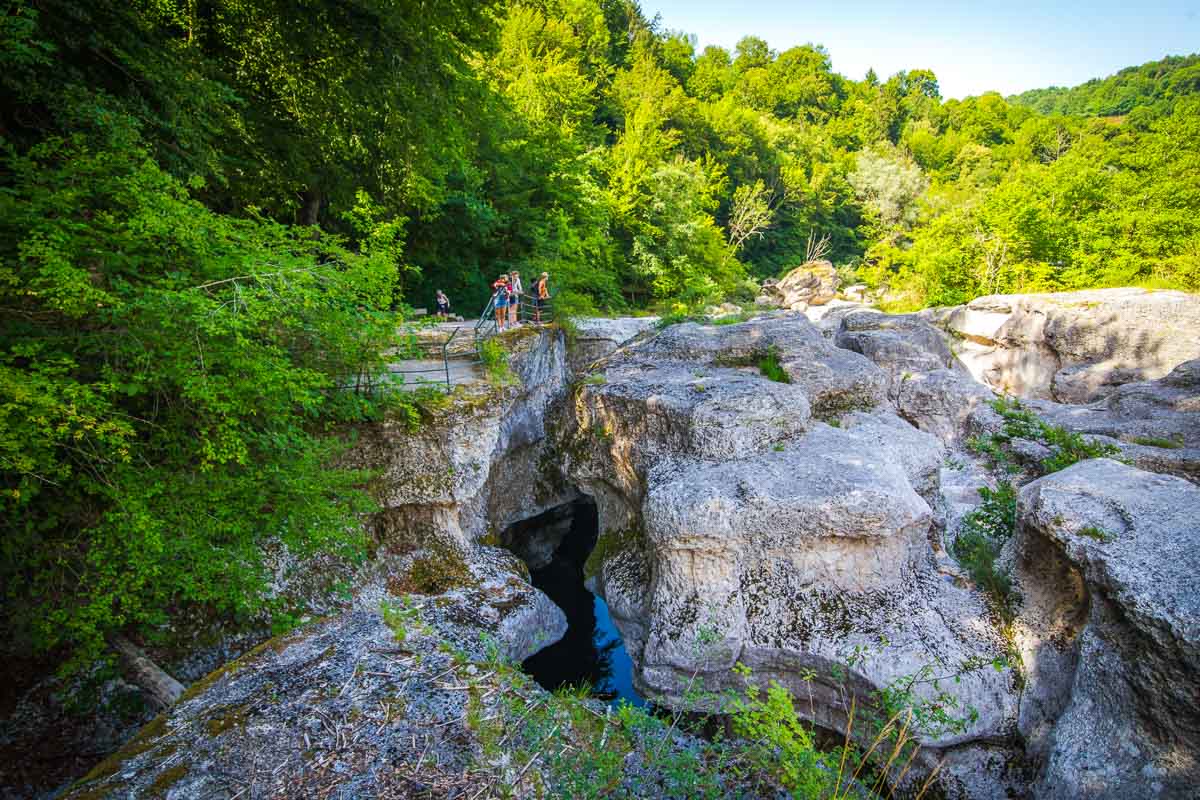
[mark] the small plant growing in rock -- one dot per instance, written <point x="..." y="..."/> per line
<point x="985" y="530"/>
<point x="991" y="448"/>
<point x="1068" y="447"/>
<point x="400" y="617"/>
<point x="769" y="366"/>
<point x="1097" y="533"/>
<point x="595" y="379"/>
<point x="1158" y="441"/>
<point x="494" y="358"/>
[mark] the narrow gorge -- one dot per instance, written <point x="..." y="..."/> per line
<point x="799" y="530"/>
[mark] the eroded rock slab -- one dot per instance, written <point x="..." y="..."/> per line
<point x="1155" y="423"/>
<point x="1110" y="631"/>
<point x="359" y="705"/>
<point x="1074" y="347"/>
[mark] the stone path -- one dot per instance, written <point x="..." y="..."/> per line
<point x="410" y="374"/>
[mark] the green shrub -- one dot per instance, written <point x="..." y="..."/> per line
<point x="776" y="743"/>
<point x="1021" y="423"/>
<point x="494" y="358"/>
<point x="984" y="532"/>
<point x="168" y="377"/>
<point x="1071" y="448"/>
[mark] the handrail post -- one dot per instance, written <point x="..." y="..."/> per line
<point x="446" y="356"/>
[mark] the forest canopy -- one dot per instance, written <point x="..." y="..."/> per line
<point x="213" y="214"/>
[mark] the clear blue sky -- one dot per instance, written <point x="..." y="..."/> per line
<point x="972" y="47"/>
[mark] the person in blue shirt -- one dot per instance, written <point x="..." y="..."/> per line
<point x="500" y="293"/>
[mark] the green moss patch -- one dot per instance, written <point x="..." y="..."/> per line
<point x="1158" y="441"/>
<point x="608" y="546"/>
<point x="169" y="778"/>
<point x="226" y="719"/>
<point x="440" y="569"/>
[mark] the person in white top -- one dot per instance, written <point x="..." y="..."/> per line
<point x="514" y="301"/>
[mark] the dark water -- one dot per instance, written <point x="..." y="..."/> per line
<point x="592" y="651"/>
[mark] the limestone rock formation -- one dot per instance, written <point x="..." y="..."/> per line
<point x="455" y="479"/>
<point x="1073" y="347"/>
<point x="1156" y="423"/>
<point x="597" y="337"/>
<point x="733" y="527"/>
<point x="927" y="384"/>
<point x="339" y="705"/>
<point x="1109" y="559"/>
<point x="812" y="284"/>
<point x="785" y="495"/>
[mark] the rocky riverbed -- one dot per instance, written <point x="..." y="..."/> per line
<point x="801" y="499"/>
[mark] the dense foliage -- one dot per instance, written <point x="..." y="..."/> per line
<point x="210" y="211"/>
<point x="172" y="354"/>
<point x="1158" y="83"/>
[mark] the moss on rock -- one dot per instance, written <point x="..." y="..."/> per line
<point x="609" y="545"/>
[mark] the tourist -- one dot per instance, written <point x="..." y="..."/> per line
<point x="514" y="301"/>
<point x="443" y="305"/>
<point x="541" y="296"/>
<point x="500" y="301"/>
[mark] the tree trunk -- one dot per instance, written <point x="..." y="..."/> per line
<point x="164" y="689"/>
<point x="311" y="210"/>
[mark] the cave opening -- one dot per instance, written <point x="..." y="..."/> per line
<point x="556" y="545"/>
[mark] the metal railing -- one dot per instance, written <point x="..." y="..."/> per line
<point x="437" y="351"/>
<point x="529" y="310"/>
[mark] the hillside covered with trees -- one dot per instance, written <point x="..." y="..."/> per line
<point x="211" y="213"/>
<point x="1156" y="85"/>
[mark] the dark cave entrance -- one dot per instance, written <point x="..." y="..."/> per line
<point x="556" y="544"/>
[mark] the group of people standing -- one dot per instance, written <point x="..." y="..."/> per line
<point x="507" y="292"/>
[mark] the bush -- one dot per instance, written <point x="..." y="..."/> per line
<point x="985" y="530"/>
<point x="494" y="358"/>
<point x="1020" y="423"/>
<point x="167" y="380"/>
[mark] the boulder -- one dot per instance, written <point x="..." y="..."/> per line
<point x="812" y="284"/>
<point x="1074" y="347"/>
<point x="766" y="301"/>
<point x="926" y="383"/>
<point x="1109" y="631"/>
<point x="901" y="344"/>
<point x="723" y="310"/>
<point x="596" y="337"/>
<point x="856" y="293"/>
<point x="833" y="379"/>
<point x="941" y="402"/>
<point x="350" y="706"/>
